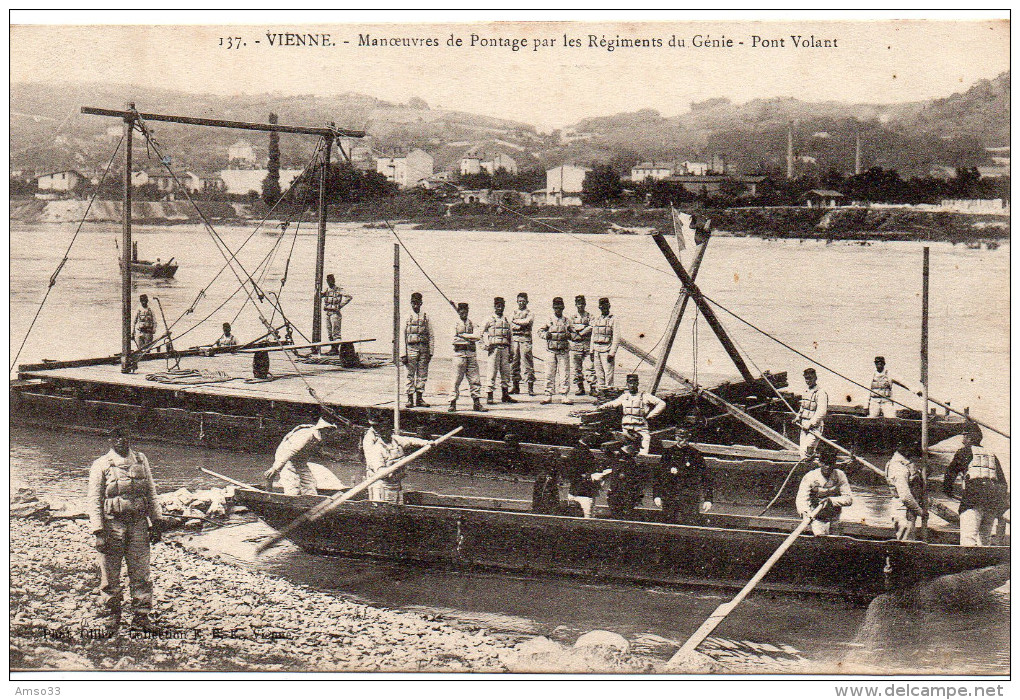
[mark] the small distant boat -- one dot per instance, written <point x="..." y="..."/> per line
<point x="156" y="270"/>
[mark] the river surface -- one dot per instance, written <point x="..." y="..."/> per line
<point x="840" y="303"/>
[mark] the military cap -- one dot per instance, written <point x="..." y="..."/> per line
<point x="522" y="295"/>
<point x="416" y="296"/>
<point x="579" y="297"/>
<point x="603" y="300"/>
<point x="499" y="300"/>
<point x="810" y="371"/>
<point x="557" y="301"/>
<point x="462" y="306"/>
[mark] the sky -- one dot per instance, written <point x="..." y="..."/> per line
<point x="550" y="86"/>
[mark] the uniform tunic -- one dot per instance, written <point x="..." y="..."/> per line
<point x="465" y="359"/>
<point x="683" y="483"/>
<point x="291" y="460"/>
<point x="637" y="409"/>
<point x="145" y="327"/>
<point x="522" y="361"/>
<point x="332" y="302"/>
<point x="879" y="401"/>
<point x="580" y="350"/>
<point x="605" y="341"/>
<point x="557" y="339"/>
<point x="985" y="492"/>
<point x="380" y="455"/>
<point x="419" y="345"/>
<point x="497" y="333"/>
<point x="814" y="487"/>
<point x="814" y="406"/>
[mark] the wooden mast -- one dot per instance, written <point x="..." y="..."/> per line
<point x="396" y="337"/>
<point x="924" y="389"/>
<point x="126" y="361"/>
<point x="320" y="244"/>
<point x="676" y="318"/>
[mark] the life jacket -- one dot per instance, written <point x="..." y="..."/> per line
<point x="416" y="330"/>
<point x="881" y="385"/>
<point x="602" y="330"/>
<point x="126" y="487"/>
<point x="577" y="342"/>
<point x="331" y="299"/>
<point x="145" y="322"/>
<point x="634" y="409"/>
<point x="522" y="332"/>
<point x="557" y="338"/>
<point x="460" y="345"/>
<point x="392" y="452"/>
<point x="982" y="464"/>
<point x="809" y="405"/>
<point x="499" y="331"/>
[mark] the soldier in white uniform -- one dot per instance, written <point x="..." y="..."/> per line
<point x="557" y="340"/>
<point x="333" y="299"/>
<point x="605" y="341"/>
<point x="814" y="406"/>
<point x="496" y="335"/>
<point x="638" y="408"/>
<point x="522" y="361"/>
<point x="145" y="324"/>
<point x="383" y="449"/>
<point x="880" y="401"/>
<point x="419" y="347"/>
<point x="465" y="359"/>
<point x="580" y="348"/>
<point x="291" y="460"/>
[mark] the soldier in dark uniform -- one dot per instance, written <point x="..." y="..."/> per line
<point x="626" y="482"/>
<point x="582" y="471"/>
<point x="682" y="486"/>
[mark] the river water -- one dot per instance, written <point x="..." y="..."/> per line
<point x="840" y="303"/>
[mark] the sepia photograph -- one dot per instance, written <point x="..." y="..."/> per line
<point x="458" y="346"/>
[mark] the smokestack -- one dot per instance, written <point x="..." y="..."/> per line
<point x="789" y="153"/>
<point x="857" y="156"/>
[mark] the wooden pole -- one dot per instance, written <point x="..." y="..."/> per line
<point x="320" y="247"/>
<point x="313" y="514"/>
<point x="950" y="409"/>
<point x="325" y="132"/>
<point x="396" y="337"/>
<point x="677" y="318"/>
<point x="703" y="305"/>
<point x="126" y="360"/>
<point x="725" y="609"/>
<point x="924" y="390"/>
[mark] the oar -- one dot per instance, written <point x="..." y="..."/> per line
<point x="313" y="514"/>
<point x="844" y="451"/>
<point x="725" y="609"/>
<point x="953" y="410"/>
<point x="235" y="482"/>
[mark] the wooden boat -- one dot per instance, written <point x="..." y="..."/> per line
<point x="148" y="268"/>
<point x="503" y="535"/>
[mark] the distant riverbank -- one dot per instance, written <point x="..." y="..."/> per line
<point x="844" y="223"/>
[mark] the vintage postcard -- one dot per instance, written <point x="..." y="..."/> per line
<point x="651" y="344"/>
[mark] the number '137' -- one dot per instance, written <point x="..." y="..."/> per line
<point x="230" y="42"/>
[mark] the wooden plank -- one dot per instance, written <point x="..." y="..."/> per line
<point x="325" y="132"/>
<point x="287" y="348"/>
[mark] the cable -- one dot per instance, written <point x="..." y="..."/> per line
<point x="417" y="264"/>
<point x="63" y="261"/>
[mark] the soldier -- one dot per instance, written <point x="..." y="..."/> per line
<point x="497" y="336"/>
<point x="825" y="484"/>
<point x="814" y="406"/>
<point x="334" y="298"/>
<point x="605" y="340"/>
<point x="291" y="459"/>
<point x="383" y="449"/>
<point x="985" y="491"/>
<point x="522" y="362"/>
<point x="683" y="487"/>
<point x="580" y="347"/>
<point x="419" y="346"/>
<point x="638" y="407"/>
<point x="227" y="340"/>
<point x="121" y="504"/>
<point x="465" y="359"/>
<point x="626" y="482"/>
<point x="880" y="401"/>
<point x="557" y="339"/>
<point x="145" y="324"/>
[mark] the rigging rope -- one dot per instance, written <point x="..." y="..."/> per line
<point x="63" y="261"/>
<point x="417" y="264"/>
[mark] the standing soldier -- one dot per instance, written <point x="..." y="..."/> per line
<point x="985" y="489"/>
<point x="557" y="339"/>
<point x="121" y="502"/>
<point x="334" y="298"/>
<point x="682" y="486"/>
<point x="638" y="408"/>
<point x="420" y="345"/>
<point x="521" y="359"/>
<point x="145" y="324"/>
<point x="605" y="340"/>
<point x="383" y="449"/>
<point x="496" y="334"/>
<point x="814" y="406"/>
<point x="880" y="402"/>
<point x="580" y="347"/>
<point x="465" y="359"/>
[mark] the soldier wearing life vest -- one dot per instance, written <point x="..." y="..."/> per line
<point x="465" y="359"/>
<point x="497" y="335"/>
<point x="638" y="408"/>
<point x="827" y="484"/>
<point x="121" y="503"/>
<point x="580" y="347"/>
<point x="605" y="340"/>
<point x="334" y="298"/>
<point x="814" y="406"/>
<point x="522" y="361"/>
<point x="292" y="455"/>
<point x="382" y="449"/>
<point x="880" y="401"/>
<point x="902" y="473"/>
<point x="985" y="490"/>
<point x="557" y="340"/>
<point x="145" y="324"/>
<point x="419" y="347"/>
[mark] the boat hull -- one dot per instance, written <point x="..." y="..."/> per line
<point x="153" y="270"/>
<point x="646" y="553"/>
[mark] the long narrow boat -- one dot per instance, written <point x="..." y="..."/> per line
<point x="503" y="535"/>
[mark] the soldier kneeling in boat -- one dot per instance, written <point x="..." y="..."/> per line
<point x="828" y="484"/>
<point x="291" y="460"/>
<point x="682" y="487"/>
<point x="383" y="448"/>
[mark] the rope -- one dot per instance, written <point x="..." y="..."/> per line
<point x="417" y="264"/>
<point x="63" y="261"/>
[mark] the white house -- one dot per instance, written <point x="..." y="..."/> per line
<point x="500" y="161"/>
<point x="563" y="185"/>
<point x="656" y="171"/>
<point x="693" y="168"/>
<point x="241" y="153"/>
<point x="406" y="170"/>
<point x="63" y="181"/>
<point x="470" y="165"/>
<point x="204" y="182"/>
<point x="246" y="181"/>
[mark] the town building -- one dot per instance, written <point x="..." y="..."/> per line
<point x="712" y="185"/>
<point x="244" y="182"/>
<point x="470" y="165"/>
<point x="62" y="181"/>
<point x="563" y="185"/>
<point x="499" y="161"/>
<point x="406" y="170"/>
<point x="204" y="182"/>
<point x="653" y="170"/>
<point x="823" y="199"/>
<point x="241" y="154"/>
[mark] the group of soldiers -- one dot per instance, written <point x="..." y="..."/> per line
<point x="581" y="349"/>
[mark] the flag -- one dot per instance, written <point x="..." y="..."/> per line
<point x="691" y="230"/>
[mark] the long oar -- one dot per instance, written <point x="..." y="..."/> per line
<point x="235" y="482"/>
<point x="313" y="514"/>
<point x="949" y="408"/>
<point x="725" y="609"/>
